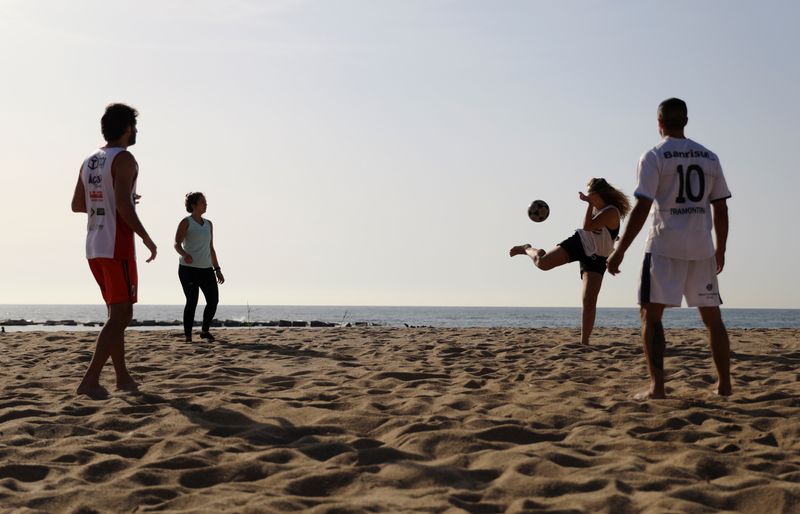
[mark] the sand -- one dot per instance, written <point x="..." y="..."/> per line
<point x="390" y="420"/>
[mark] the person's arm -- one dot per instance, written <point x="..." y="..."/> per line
<point x="720" y="210"/>
<point x="214" y="261"/>
<point x="79" y="196"/>
<point x="125" y="171"/>
<point x="180" y="235"/>
<point x="608" y="218"/>
<point x="635" y="223"/>
<point x="587" y="216"/>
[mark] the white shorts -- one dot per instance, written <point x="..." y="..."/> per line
<point x="665" y="280"/>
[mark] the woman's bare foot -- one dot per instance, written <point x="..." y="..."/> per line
<point x="518" y="250"/>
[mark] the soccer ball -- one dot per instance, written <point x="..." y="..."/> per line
<point x="538" y="211"/>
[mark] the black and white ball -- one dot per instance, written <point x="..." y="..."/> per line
<point x="538" y="211"/>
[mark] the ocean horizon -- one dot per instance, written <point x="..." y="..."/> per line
<point x="399" y="316"/>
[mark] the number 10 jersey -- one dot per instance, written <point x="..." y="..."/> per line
<point x="682" y="177"/>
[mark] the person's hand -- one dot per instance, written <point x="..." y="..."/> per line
<point x="220" y="277"/>
<point x="583" y="197"/>
<point x="187" y="259"/>
<point x="614" y="260"/>
<point x="720" y="257"/>
<point x="136" y="198"/>
<point x="152" y="247"/>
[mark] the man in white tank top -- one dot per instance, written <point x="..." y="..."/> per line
<point x="683" y="183"/>
<point x="106" y="192"/>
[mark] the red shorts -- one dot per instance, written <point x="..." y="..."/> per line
<point x="117" y="279"/>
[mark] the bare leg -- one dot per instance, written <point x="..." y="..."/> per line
<point x="654" y="344"/>
<point x="548" y="260"/>
<point x="591" y="289"/>
<point x="720" y="347"/>
<point x="110" y="343"/>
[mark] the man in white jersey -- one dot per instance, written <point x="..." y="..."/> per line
<point x="683" y="182"/>
<point x="106" y="192"/>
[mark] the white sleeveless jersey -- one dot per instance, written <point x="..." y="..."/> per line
<point x="682" y="178"/>
<point x="107" y="235"/>
<point x="598" y="242"/>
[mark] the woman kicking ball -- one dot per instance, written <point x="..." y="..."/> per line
<point x="590" y="245"/>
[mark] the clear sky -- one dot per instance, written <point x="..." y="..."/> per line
<point x="385" y="153"/>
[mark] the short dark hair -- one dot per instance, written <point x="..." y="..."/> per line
<point x="192" y="199"/>
<point x="116" y="119"/>
<point x="673" y="113"/>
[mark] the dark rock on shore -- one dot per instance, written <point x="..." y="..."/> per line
<point x="16" y="323"/>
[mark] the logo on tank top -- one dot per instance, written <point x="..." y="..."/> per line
<point x="96" y="196"/>
<point x="95" y="161"/>
<point x="95" y="180"/>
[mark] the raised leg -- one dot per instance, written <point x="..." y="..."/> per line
<point x="548" y="260"/>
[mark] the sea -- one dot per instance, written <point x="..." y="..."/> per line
<point x="452" y="317"/>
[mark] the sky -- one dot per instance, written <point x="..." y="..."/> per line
<point x="385" y="153"/>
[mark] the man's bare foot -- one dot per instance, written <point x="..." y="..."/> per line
<point x="649" y="395"/>
<point x="95" y="392"/>
<point x="518" y="250"/>
<point x="723" y="391"/>
<point x="207" y="335"/>
<point x="128" y="385"/>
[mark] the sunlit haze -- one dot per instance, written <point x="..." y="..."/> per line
<point x="385" y="153"/>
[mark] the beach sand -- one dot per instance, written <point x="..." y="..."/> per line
<point x="390" y="420"/>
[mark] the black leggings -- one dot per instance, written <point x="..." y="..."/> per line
<point x="192" y="280"/>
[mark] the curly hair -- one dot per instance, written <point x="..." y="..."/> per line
<point x="192" y="199"/>
<point x="116" y="119"/>
<point x="610" y="195"/>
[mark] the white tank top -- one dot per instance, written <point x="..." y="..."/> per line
<point x="107" y="235"/>
<point x="599" y="242"/>
<point x="197" y="243"/>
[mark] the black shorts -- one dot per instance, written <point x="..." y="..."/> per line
<point x="574" y="248"/>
